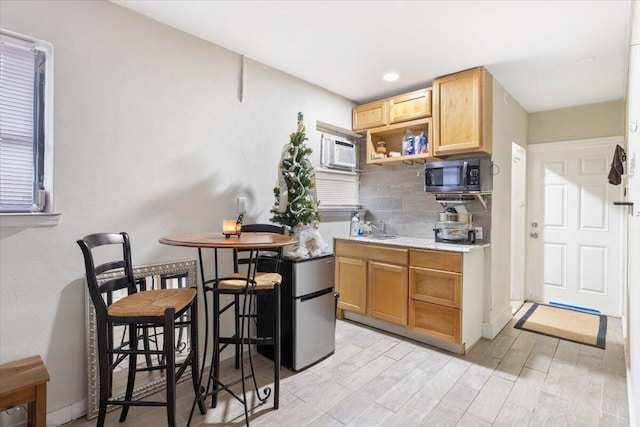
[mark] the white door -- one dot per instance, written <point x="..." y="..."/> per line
<point x="575" y="249"/>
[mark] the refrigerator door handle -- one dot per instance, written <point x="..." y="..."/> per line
<point x="315" y="294"/>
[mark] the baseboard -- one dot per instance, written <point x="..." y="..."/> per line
<point x="634" y="416"/>
<point x="55" y="418"/>
<point x="402" y="331"/>
<point x="68" y="413"/>
<point x="491" y="330"/>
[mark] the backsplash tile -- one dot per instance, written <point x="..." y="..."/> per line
<point x="395" y="195"/>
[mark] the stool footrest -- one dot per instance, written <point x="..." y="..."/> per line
<point x="136" y="403"/>
<point x="236" y="340"/>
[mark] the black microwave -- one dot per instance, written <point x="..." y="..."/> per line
<point x="459" y="176"/>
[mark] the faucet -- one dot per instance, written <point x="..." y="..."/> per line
<point x="381" y="227"/>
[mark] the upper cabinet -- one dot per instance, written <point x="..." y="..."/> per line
<point x="387" y="121"/>
<point x="371" y="115"/>
<point x="410" y="106"/>
<point x="463" y="113"/>
<point x="398" y="109"/>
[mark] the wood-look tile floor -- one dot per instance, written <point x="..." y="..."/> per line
<point x="377" y="379"/>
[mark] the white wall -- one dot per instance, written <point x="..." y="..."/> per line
<point x="150" y="138"/>
<point x="509" y="125"/>
<point x="580" y="122"/>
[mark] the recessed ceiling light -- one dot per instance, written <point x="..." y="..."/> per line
<point x="391" y="77"/>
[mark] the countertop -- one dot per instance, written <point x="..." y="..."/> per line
<point x="415" y="242"/>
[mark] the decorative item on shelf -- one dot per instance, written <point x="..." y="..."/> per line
<point x="422" y="146"/>
<point x="231" y="227"/>
<point x="408" y="144"/>
<point x="295" y="205"/>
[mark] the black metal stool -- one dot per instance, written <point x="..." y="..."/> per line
<point x="260" y="279"/>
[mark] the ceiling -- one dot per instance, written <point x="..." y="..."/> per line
<point x="547" y="54"/>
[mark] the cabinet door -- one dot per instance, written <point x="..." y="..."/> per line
<point x="371" y="115"/>
<point x="436" y="321"/>
<point x="463" y="113"/>
<point x="388" y="292"/>
<point x="438" y="287"/>
<point x="411" y="106"/>
<point x="351" y="283"/>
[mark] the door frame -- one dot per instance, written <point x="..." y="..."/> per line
<point x="532" y="149"/>
<point x="519" y="231"/>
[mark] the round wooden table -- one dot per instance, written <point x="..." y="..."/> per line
<point x="253" y="242"/>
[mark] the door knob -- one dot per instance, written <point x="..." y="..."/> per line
<point x="534" y="235"/>
<point x="534" y="224"/>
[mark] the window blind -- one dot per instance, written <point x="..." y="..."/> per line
<point x="18" y="145"/>
<point x="334" y="189"/>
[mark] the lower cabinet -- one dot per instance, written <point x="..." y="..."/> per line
<point x="435" y="296"/>
<point x="373" y="280"/>
<point x="351" y="284"/>
<point x="435" y="306"/>
<point x="388" y="292"/>
<point x="436" y="321"/>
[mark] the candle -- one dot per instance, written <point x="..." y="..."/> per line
<point x="229" y="227"/>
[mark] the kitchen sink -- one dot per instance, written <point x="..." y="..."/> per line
<point x="382" y="236"/>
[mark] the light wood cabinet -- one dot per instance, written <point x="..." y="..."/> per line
<point x="392" y="135"/>
<point x="387" y="120"/>
<point x="401" y="108"/>
<point x="410" y="106"/>
<point x="437" y="321"/>
<point x="351" y="284"/>
<point x="370" y="115"/>
<point x="438" y="287"/>
<point x="463" y="113"/>
<point x="432" y="296"/>
<point x="388" y="296"/>
<point x="435" y="292"/>
<point x="382" y="272"/>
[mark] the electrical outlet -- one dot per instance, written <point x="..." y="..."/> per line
<point x="242" y="205"/>
<point x="479" y="235"/>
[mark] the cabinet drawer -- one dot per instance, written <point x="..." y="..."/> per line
<point x="435" y="286"/>
<point x="436" y="260"/>
<point x="370" y="115"/>
<point x="411" y="106"/>
<point x="435" y="321"/>
<point x="372" y="252"/>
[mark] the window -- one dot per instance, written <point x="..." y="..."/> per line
<point x="337" y="189"/>
<point x="25" y="125"/>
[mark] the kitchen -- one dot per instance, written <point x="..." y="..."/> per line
<point x="170" y="147"/>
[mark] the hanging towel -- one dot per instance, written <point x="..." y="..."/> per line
<point x="617" y="167"/>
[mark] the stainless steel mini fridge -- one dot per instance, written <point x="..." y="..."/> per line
<point x="308" y="310"/>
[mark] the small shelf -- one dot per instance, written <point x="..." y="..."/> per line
<point x="393" y="135"/>
<point x="453" y="198"/>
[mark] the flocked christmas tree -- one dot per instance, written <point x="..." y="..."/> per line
<point x="295" y="204"/>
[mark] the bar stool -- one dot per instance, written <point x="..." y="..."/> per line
<point x="260" y="280"/>
<point x="138" y="310"/>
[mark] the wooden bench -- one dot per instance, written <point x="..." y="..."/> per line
<point x="25" y="381"/>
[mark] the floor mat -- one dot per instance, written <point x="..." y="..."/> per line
<point x="571" y="325"/>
